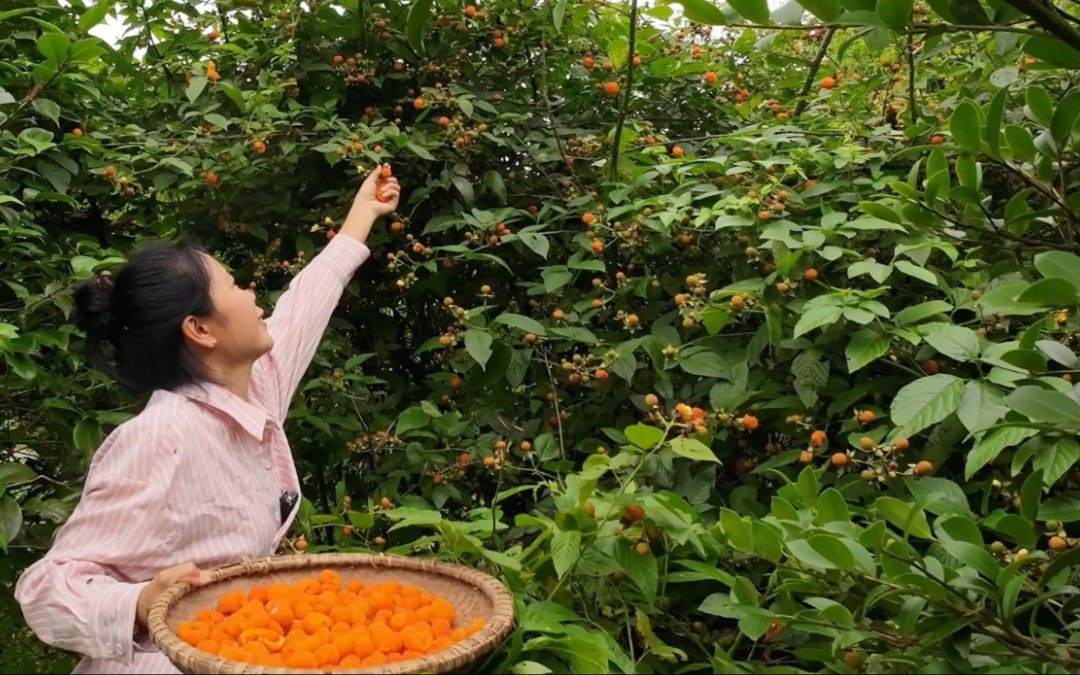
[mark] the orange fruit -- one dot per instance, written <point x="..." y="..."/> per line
<point x="806" y="456"/>
<point x="1058" y="543"/>
<point x="750" y="422"/>
<point x="710" y="77"/>
<point x="633" y="513"/>
<point x="931" y="367"/>
<point x="901" y="444"/>
<point x="810" y="274"/>
<point x="817" y="439"/>
<point x="611" y="87"/>
<point x="828" y="82"/>
<point x="677" y="151"/>
<point x="923" y="467"/>
<point x="587" y="218"/>
<point x="936" y="140"/>
<point x="867" y="416"/>
<point x="418" y="103"/>
<point x="597" y="246"/>
<point x="867" y="443"/>
<point x="839" y="459"/>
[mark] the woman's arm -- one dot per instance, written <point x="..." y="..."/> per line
<point x="303" y="311"/>
<point x="84" y="595"/>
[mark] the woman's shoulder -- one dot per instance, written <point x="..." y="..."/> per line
<point x="148" y="437"/>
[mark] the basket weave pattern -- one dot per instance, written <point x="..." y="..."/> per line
<point x="473" y="595"/>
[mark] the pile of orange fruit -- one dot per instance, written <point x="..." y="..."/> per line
<point x="319" y="622"/>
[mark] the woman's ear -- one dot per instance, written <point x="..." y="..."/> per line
<point x="196" y="333"/>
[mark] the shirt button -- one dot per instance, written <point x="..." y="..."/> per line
<point x="267" y="464"/>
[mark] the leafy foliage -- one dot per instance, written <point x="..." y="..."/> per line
<point x="740" y="348"/>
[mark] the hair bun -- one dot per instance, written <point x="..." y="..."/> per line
<point x="94" y="306"/>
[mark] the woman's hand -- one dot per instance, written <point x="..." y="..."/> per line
<point x="187" y="572"/>
<point x="378" y="196"/>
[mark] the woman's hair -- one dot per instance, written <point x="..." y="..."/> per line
<point x="138" y="313"/>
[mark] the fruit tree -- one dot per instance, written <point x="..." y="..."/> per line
<point x="734" y="336"/>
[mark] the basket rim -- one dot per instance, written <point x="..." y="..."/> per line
<point x="496" y="626"/>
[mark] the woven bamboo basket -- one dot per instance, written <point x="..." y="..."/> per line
<point x="473" y="595"/>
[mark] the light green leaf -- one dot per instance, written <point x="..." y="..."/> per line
<point x="757" y="11"/>
<point x="565" y="550"/>
<point x="956" y="342"/>
<point x="195" y="87"/>
<point x="521" y="322"/>
<point x="981" y="405"/>
<point x="643" y="436"/>
<point x="990" y="446"/>
<point x="1044" y="405"/>
<point x="925" y="401"/>
<point x="966" y="126"/>
<point x="818" y="316"/>
<point x="865" y="347"/>
<point x="478" y="344"/>
<point x="693" y="449"/>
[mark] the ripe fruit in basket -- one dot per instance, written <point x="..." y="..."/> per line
<point x="323" y="621"/>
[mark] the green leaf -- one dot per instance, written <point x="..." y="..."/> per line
<point x="1064" y="507"/>
<point x="966" y="126"/>
<point x="895" y="14"/>
<point x="1049" y="293"/>
<point x="1020" y="142"/>
<point x="521" y="322"/>
<point x="925" y="401"/>
<point x="834" y="551"/>
<point x="692" y="449"/>
<point x="981" y="405"/>
<point x="826" y="10"/>
<point x="903" y="516"/>
<point x="15" y="472"/>
<point x="816" y="317"/>
<point x="1044" y="405"/>
<point x="994" y="117"/>
<point x="565" y="550"/>
<point x="1059" y="265"/>
<point x="478" y="344"/>
<point x="913" y="270"/>
<point x="195" y="87"/>
<point x="956" y="342"/>
<point x="706" y="364"/>
<point x="54" y="46"/>
<point x="702" y="11"/>
<point x="1040" y="107"/>
<point x="990" y="446"/>
<point x="1053" y="51"/>
<point x="924" y="310"/>
<point x="642" y="569"/>
<point x="419" y="15"/>
<point x="86" y="435"/>
<point x="1057" y="459"/>
<point x="11" y="518"/>
<point x="643" y="436"/>
<point x="94" y="14"/>
<point x="48" y="109"/>
<point x="811" y="373"/>
<point x="757" y="11"/>
<point x="410" y="419"/>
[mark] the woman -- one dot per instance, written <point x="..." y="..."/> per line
<point x="203" y="475"/>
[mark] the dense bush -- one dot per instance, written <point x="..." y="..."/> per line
<point x="743" y="348"/>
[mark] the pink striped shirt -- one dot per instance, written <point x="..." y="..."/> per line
<point x="196" y="476"/>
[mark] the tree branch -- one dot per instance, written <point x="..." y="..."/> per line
<point x="626" y="92"/>
<point x="1047" y="18"/>
<point x="812" y="74"/>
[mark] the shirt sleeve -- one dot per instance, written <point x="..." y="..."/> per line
<point x="303" y="312"/>
<point x="82" y="596"/>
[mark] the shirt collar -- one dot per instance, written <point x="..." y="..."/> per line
<point x="251" y="416"/>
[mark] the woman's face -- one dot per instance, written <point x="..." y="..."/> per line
<point x="236" y="323"/>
